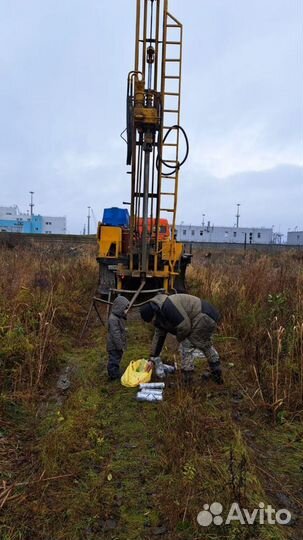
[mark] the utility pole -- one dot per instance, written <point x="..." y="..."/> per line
<point x="88" y="220"/>
<point x="32" y="202"/>
<point x="238" y="214"/>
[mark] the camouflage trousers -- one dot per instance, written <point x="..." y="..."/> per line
<point x="189" y="354"/>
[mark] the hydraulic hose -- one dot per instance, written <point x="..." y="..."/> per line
<point x="180" y="163"/>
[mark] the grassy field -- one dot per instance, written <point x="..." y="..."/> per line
<point x="90" y="462"/>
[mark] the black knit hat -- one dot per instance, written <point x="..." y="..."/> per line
<point x="147" y="311"/>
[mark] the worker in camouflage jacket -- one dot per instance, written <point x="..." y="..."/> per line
<point x="192" y="321"/>
<point x="116" y="337"/>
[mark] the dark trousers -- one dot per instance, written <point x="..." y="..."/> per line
<point x="114" y="359"/>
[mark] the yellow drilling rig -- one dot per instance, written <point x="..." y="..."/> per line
<point x="142" y="255"/>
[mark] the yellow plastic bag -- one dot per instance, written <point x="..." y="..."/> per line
<point x="135" y="373"/>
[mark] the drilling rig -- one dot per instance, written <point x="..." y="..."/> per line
<point x="143" y="255"/>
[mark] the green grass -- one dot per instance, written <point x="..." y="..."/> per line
<point x="143" y="465"/>
<point x="93" y="458"/>
<point x="101" y="437"/>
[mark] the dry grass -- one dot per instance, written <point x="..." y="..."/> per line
<point x="198" y="446"/>
<point x="261" y="299"/>
<point x="43" y="299"/>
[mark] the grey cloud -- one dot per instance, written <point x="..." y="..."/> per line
<point x="63" y="68"/>
<point x="267" y="197"/>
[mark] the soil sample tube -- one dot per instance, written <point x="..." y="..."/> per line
<point x="152" y="385"/>
<point x="149" y="397"/>
<point x="156" y="391"/>
<point x="169" y="369"/>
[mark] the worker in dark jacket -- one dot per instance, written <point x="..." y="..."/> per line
<point x="116" y="337"/>
<point x="191" y="320"/>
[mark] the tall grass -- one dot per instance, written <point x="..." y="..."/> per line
<point x="261" y="300"/>
<point x="198" y="450"/>
<point x="43" y="298"/>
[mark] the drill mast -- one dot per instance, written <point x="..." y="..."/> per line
<point x="153" y="120"/>
<point x="145" y="253"/>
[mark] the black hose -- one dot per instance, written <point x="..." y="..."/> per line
<point x="180" y="163"/>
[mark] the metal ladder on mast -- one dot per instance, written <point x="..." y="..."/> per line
<point x="171" y="116"/>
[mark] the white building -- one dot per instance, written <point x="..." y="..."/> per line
<point x="229" y="235"/>
<point x="12" y="220"/>
<point x="53" y="225"/>
<point x="295" y="238"/>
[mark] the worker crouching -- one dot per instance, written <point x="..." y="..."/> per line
<point x="116" y="337"/>
<point x="192" y="320"/>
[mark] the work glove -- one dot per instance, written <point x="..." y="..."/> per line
<point x="159" y="367"/>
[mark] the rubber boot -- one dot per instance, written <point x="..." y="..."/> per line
<point x="216" y="376"/>
<point x="206" y="376"/>
<point x="115" y="377"/>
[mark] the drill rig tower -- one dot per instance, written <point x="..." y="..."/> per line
<point x="146" y="253"/>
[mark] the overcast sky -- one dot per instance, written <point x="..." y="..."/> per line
<point x="63" y="69"/>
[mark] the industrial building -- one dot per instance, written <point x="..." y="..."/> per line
<point x="229" y="235"/>
<point x="12" y="220"/>
<point x="295" y="238"/>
